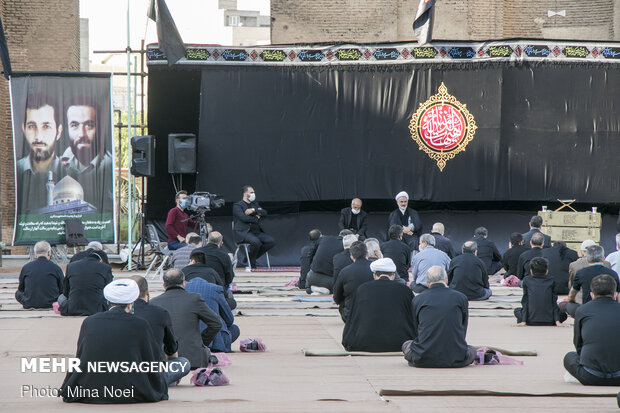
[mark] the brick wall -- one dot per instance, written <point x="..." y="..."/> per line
<point x="42" y="35"/>
<point x="359" y="21"/>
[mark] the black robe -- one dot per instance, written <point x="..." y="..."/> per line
<point x="380" y="319"/>
<point x="398" y="218"/>
<point x="115" y="336"/>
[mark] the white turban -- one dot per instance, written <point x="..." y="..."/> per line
<point x="402" y="194"/>
<point x="383" y="265"/>
<point x="124" y="291"/>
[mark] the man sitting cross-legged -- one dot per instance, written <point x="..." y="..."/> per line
<point x="440" y="317"/>
<point x="380" y="317"/>
<point x="161" y="324"/>
<point x="540" y="307"/>
<point x="596" y="336"/>
<point x="467" y="274"/>
<point x="351" y="277"/>
<point x="40" y="281"/>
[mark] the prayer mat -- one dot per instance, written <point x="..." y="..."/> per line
<point x="341" y="353"/>
<point x="313" y="299"/>
<point x="389" y="392"/>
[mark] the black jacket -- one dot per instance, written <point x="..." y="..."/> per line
<point x="487" y="252"/>
<point x="115" y="336"/>
<point x="160" y="322"/>
<point x="41" y="282"/>
<point x="440" y="317"/>
<point x="307" y="254"/>
<point x="380" y="319"/>
<point x="584" y="277"/>
<point x="217" y="259"/>
<point x="349" y="279"/>
<point x="527" y="237"/>
<point x="400" y="253"/>
<point x="468" y="275"/>
<point x="202" y="271"/>
<point x="597" y="335"/>
<point x="323" y="260"/>
<point x="84" y="285"/>
<point x="511" y="259"/>
<point x="523" y="266"/>
<point x="444" y="244"/>
<point x="244" y="223"/>
<point x="341" y="260"/>
<point x="83" y="254"/>
<point x="345" y="221"/>
<point x="560" y="258"/>
<point x="539" y="301"/>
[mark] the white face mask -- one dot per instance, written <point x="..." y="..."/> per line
<point x="252" y="197"/>
<point x="355" y="211"/>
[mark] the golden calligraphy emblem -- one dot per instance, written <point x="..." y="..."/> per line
<point x="442" y="127"/>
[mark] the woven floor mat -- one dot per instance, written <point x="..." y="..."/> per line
<point x="477" y="392"/>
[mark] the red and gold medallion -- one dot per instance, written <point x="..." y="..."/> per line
<point x="442" y="126"/>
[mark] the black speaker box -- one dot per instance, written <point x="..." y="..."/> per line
<point x="143" y="156"/>
<point x="182" y="153"/>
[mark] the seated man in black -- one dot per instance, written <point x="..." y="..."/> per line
<point x="351" y="277"/>
<point x="440" y="317"/>
<point x="408" y="219"/>
<point x="91" y="247"/>
<point x="535" y="224"/>
<point x="83" y="286"/>
<point x="161" y="325"/>
<point x="321" y="274"/>
<point x="540" y="307"/>
<point x="307" y="254"/>
<point x="511" y="256"/>
<point x="560" y="257"/>
<point x="523" y="265"/>
<point x="216" y="258"/>
<point x="354" y="219"/>
<point x="40" y="281"/>
<point x="487" y="251"/>
<point x="398" y="251"/>
<point x="597" y="336"/>
<point x="198" y="268"/>
<point x="248" y="225"/>
<point x="595" y="255"/>
<point x="467" y="274"/>
<point x="380" y="319"/>
<point x="116" y="336"/>
<point x="343" y="258"/>
<point x="442" y="243"/>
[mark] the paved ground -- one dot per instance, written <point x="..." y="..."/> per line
<point x="283" y="380"/>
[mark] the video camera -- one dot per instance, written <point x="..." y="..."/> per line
<point x="204" y="201"/>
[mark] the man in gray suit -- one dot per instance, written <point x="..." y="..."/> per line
<point x="186" y="311"/>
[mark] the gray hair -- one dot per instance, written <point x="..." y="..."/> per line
<point x="374" y="249"/>
<point x="595" y="253"/>
<point x="428" y="239"/>
<point x="42" y="248"/>
<point x="348" y="240"/>
<point x="435" y="274"/>
<point x="438" y="228"/>
<point x="469" y="247"/>
<point x="173" y="277"/>
<point x="618" y="240"/>
<point x="96" y="245"/>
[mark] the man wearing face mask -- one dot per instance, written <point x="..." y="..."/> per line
<point x="408" y="218"/>
<point x="248" y="216"/>
<point x="354" y="219"/>
<point x="177" y="222"/>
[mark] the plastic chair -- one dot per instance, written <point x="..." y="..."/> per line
<point x="246" y="246"/>
<point x="163" y="254"/>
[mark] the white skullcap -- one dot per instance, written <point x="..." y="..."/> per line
<point x="124" y="291"/>
<point x="383" y="265"/>
<point x="402" y="194"/>
<point x="587" y="243"/>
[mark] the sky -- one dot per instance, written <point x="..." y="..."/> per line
<point x="108" y="21"/>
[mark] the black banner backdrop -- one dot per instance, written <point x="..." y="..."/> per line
<point x="309" y="135"/>
<point x="62" y="143"/>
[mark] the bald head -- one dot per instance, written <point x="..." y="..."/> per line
<point x="215" y="238"/>
<point x="438" y="228"/>
<point x="436" y="274"/>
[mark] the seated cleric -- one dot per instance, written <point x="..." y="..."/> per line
<point x="248" y="227"/>
<point x="177" y="222"/>
<point x="407" y="218"/>
<point x="117" y="336"/>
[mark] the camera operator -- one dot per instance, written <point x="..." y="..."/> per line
<point x="248" y="216"/>
<point x="177" y="222"/>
